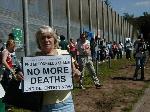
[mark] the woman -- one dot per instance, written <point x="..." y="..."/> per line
<point x="72" y="48"/>
<point x="53" y="101"/>
<point x="7" y="61"/>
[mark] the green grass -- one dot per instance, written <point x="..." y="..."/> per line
<point x="105" y="72"/>
<point x="119" y="95"/>
<point x="15" y="109"/>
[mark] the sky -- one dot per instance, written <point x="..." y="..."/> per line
<point x="136" y="7"/>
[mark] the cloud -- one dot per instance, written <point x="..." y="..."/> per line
<point x="143" y="4"/>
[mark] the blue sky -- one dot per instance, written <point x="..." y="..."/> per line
<point x="136" y="7"/>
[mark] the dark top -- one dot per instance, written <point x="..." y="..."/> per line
<point x="64" y="45"/>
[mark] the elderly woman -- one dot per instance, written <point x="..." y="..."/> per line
<point x="53" y="101"/>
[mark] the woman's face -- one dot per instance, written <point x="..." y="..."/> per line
<point x="12" y="48"/>
<point x="83" y="38"/>
<point x="46" y="43"/>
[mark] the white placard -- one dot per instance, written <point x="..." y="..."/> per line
<point x="44" y="73"/>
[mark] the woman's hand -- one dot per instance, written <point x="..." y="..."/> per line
<point x="76" y="72"/>
<point x="20" y="76"/>
<point x="76" y="75"/>
<point x="12" y="71"/>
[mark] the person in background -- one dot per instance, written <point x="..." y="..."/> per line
<point x="77" y="52"/>
<point x="63" y="44"/>
<point x="128" y="49"/>
<point x="114" y="49"/>
<point x="109" y="46"/>
<point x="9" y="72"/>
<point x="11" y="36"/>
<point x="139" y="55"/>
<point x="120" y="50"/>
<point x="58" y="100"/>
<point x="103" y="54"/>
<point x="93" y="50"/>
<point x="85" y="59"/>
<point x="7" y="62"/>
<point x="72" y="48"/>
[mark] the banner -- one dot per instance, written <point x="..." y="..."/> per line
<point x="44" y="73"/>
<point x="18" y="33"/>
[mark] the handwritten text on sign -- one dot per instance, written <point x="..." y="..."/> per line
<point x="44" y="73"/>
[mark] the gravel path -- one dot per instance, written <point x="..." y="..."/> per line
<point x="143" y="105"/>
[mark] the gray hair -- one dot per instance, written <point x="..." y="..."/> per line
<point x="46" y="30"/>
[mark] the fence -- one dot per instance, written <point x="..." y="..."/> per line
<point x="69" y="17"/>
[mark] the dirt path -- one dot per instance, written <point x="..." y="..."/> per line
<point x="116" y="95"/>
<point x="143" y="105"/>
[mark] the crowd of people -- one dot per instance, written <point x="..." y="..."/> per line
<point x="84" y="53"/>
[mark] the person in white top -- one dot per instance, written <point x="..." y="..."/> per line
<point x="128" y="49"/>
<point x="85" y="59"/>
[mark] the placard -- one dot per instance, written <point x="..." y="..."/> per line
<point x="44" y="73"/>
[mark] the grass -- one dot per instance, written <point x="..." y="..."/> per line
<point x="104" y="72"/>
<point x="119" y="96"/>
<point x="19" y="110"/>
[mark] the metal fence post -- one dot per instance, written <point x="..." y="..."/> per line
<point x="50" y="10"/>
<point x="109" y="62"/>
<point x="25" y="26"/>
<point x="80" y="15"/>
<point x="68" y="20"/>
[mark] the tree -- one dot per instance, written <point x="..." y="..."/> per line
<point x="141" y="23"/>
<point x="145" y="13"/>
<point x="145" y="26"/>
<point x="128" y="17"/>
